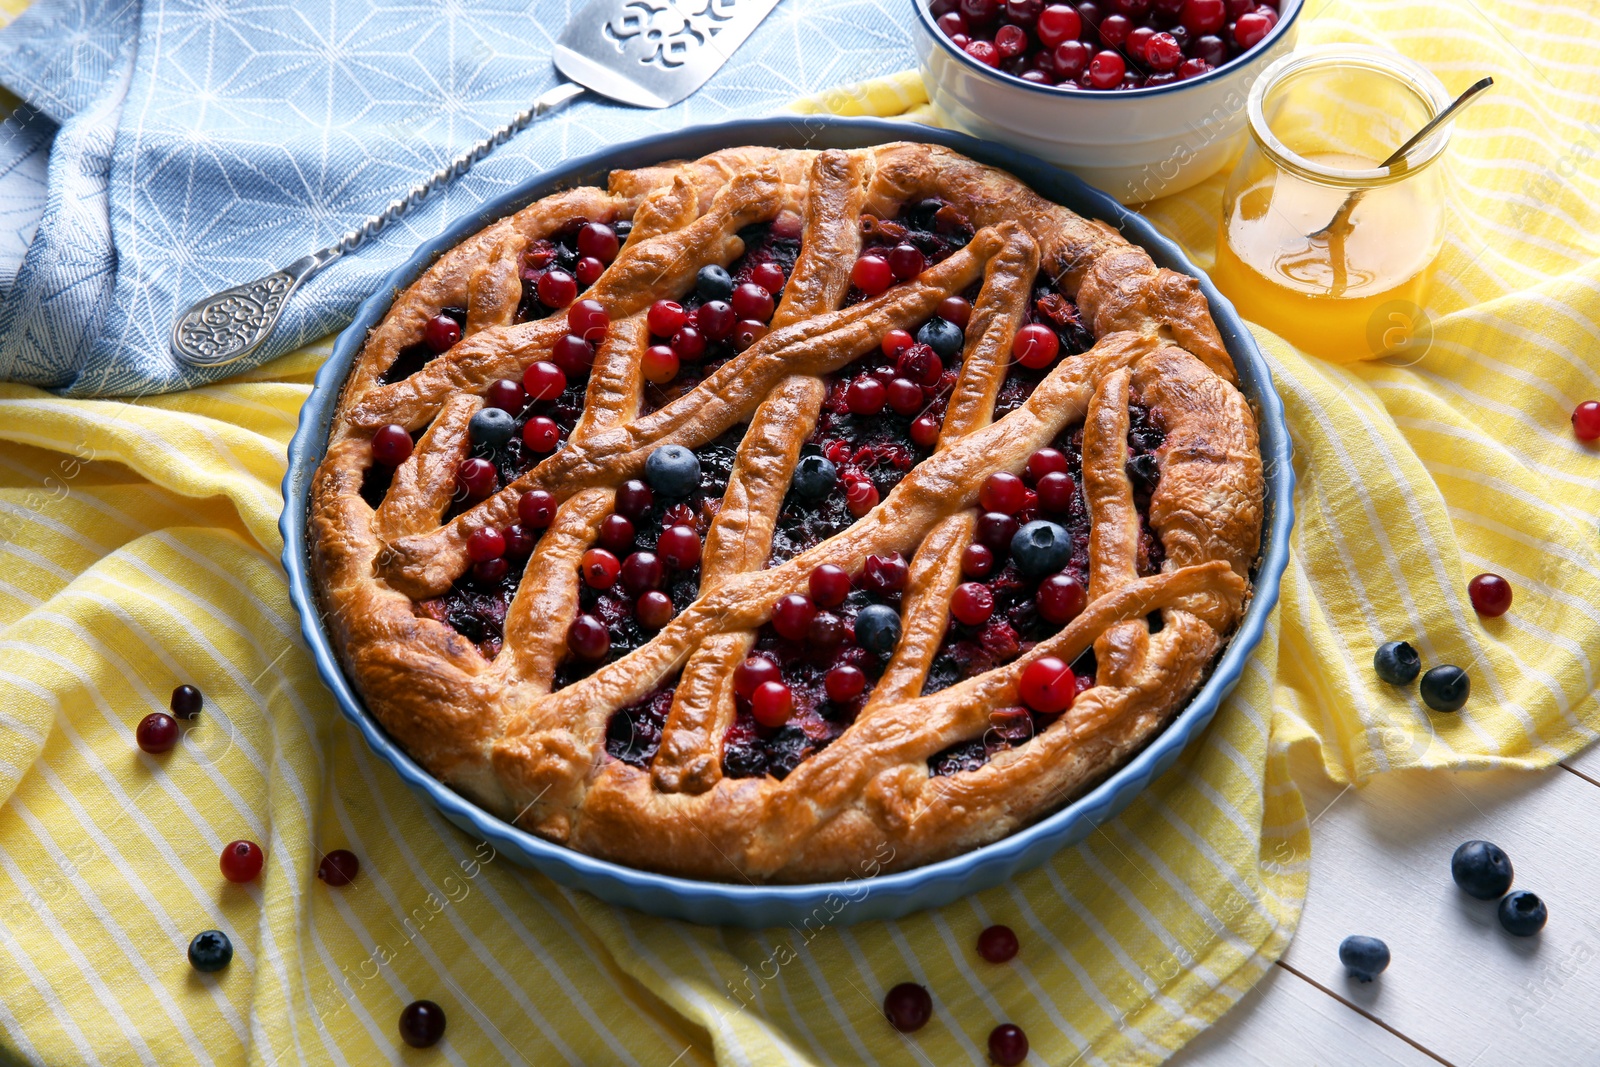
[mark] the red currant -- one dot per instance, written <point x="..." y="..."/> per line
<point x="1002" y="492"/>
<point x="599" y="568"/>
<point x="860" y="496"/>
<point x="487" y="543"/>
<point x="844" y="684"/>
<point x="391" y="445"/>
<point x="1491" y="595"/>
<point x="1586" y="421"/>
<point x="907" y="260"/>
<point x="750" y="301"/>
<point x="541" y="434"/>
<point x="653" y="609"/>
<point x="772" y="704"/>
<point x="1008" y="1045"/>
<point x="241" y="861"/>
<point x="885" y="573"/>
<point x="616" y="533"/>
<point x="556" y="288"/>
<point x="660" y="364"/>
<point x="1058" y="23"/>
<point x="588" y="320"/>
<point x="588" y="269"/>
<point x="505" y="394"/>
<point x="977" y="561"/>
<point x="1203" y="16"/>
<point x="339" y="867"/>
<point x="475" y="478"/>
<point x="1060" y="599"/>
<point x="598" y="240"/>
<point x="865" y="396"/>
<point x="536" y="509"/>
<point x="157" y="732"/>
<point x="544" y="381"/>
<point x="573" y="355"/>
<point x="1035" y="346"/>
<point x="972" y="603"/>
<point x="1047" y="685"/>
<point x="907" y="1007"/>
<point x="1055" y="491"/>
<point x="792" y="615"/>
<point x="871" y="274"/>
<point x="689" y="344"/>
<point x="519" y="542"/>
<point x="753" y="673"/>
<point x="441" y="333"/>
<point x="769" y="276"/>
<point x="829" y="585"/>
<point x="679" y="547"/>
<point x="956" y="309"/>
<point x="666" y="317"/>
<point x="997" y="944"/>
<point x="588" y="638"/>
<point x="896" y="342"/>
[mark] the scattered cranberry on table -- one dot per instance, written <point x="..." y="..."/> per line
<point x="186" y="702"/>
<point x="1586" y="421"/>
<point x="157" y="732"/>
<point x="997" y="944"/>
<point x="422" y="1024"/>
<point x="1106" y="44"/>
<point x="907" y="1007"/>
<point x="1491" y="595"/>
<point x="339" y="867"/>
<point x="241" y="861"/>
<point x="1008" y="1045"/>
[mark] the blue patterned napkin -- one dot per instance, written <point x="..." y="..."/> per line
<point x="169" y="149"/>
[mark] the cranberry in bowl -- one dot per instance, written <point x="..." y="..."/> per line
<point x="1141" y="98"/>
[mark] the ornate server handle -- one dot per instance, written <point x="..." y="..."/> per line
<point x="230" y="325"/>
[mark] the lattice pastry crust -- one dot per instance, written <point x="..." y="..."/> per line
<point x="494" y="729"/>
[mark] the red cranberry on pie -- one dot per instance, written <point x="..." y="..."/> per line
<point x="536" y="509"/>
<point x="752" y="673"/>
<point x="391" y="445"/>
<point x="792" y="615"/>
<point x="872" y="274"/>
<point x="441" y="333"/>
<point x="653" y="609"/>
<point x="599" y="568"/>
<point x="1047" y="685"/>
<point x="544" y="380"/>
<point x="844" y="683"/>
<point x="679" y="547"/>
<point x="829" y="585"/>
<point x="588" y="638"/>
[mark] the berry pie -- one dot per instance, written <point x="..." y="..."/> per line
<point x="761" y="515"/>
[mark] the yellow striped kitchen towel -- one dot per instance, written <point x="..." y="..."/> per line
<point x="138" y="550"/>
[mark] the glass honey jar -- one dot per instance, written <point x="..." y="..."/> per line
<point x="1319" y="241"/>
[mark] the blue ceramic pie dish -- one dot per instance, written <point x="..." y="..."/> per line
<point x="881" y="896"/>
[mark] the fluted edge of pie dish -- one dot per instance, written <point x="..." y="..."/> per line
<point x="872" y="895"/>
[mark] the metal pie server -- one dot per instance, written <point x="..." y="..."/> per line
<point x="648" y="53"/>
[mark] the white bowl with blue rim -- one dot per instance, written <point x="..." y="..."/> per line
<point x="1136" y="144"/>
<point x="876" y="895"/>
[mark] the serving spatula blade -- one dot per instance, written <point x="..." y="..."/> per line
<point x="654" y="53"/>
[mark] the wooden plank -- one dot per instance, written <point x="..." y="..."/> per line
<point x="1287" y="1022"/>
<point x="1460" y="986"/>
<point x="1586" y="763"/>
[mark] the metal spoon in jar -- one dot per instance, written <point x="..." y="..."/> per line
<point x="1350" y="202"/>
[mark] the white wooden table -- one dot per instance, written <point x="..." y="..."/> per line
<point x="1460" y="990"/>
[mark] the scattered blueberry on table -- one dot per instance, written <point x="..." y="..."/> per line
<point x="907" y="1007"/>
<point x="422" y="1024"/>
<point x="1445" y="688"/>
<point x="1522" y="913"/>
<point x="1008" y="1045"/>
<point x="1364" y="957"/>
<point x="210" y="951"/>
<point x="1397" y="663"/>
<point x="1482" y="869"/>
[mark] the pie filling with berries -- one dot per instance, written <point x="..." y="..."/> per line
<point x="759" y="512"/>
